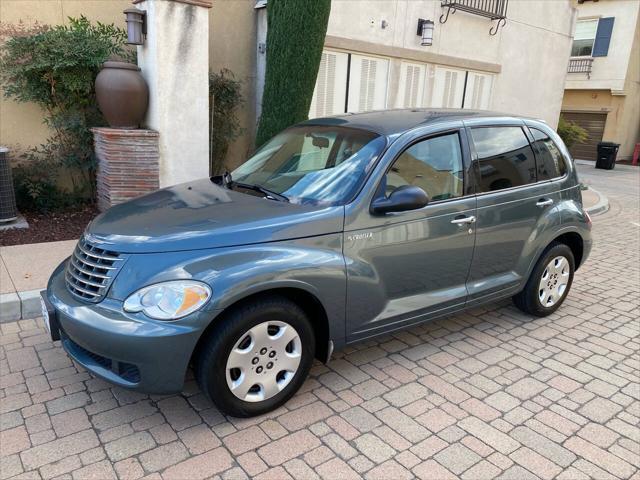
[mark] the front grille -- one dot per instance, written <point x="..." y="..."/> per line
<point x="91" y="270"/>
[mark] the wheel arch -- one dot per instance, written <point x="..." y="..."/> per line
<point x="575" y="242"/>
<point x="306" y="300"/>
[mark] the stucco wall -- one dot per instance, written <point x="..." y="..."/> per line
<point x="609" y="72"/>
<point x="531" y="51"/>
<point x="21" y="124"/>
<point x="231" y="45"/>
<point x="614" y="85"/>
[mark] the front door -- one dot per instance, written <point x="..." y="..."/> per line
<point x="405" y="267"/>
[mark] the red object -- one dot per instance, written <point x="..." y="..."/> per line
<point x="636" y="154"/>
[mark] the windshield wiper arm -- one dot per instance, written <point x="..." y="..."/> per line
<point x="266" y="192"/>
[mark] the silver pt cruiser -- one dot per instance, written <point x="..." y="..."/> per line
<point x="337" y="230"/>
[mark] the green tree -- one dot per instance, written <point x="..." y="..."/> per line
<point x="224" y="99"/>
<point x="295" y="37"/>
<point x="571" y="133"/>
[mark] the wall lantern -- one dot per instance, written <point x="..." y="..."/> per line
<point x="136" y="26"/>
<point x="425" y="30"/>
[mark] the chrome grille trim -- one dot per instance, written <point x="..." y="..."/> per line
<point x="90" y="271"/>
<point x="99" y="257"/>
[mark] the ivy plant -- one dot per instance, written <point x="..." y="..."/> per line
<point x="295" y="38"/>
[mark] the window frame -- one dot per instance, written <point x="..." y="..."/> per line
<point x="532" y="142"/>
<point x="585" y="20"/>
<point x="475" y="161"/>
<point x="468" y="185"/>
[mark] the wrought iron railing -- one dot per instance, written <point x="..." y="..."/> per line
<point x="580" y="65"/>
<point x="492" y="9"/>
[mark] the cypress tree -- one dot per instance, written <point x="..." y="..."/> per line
<point x="295" y="37"/>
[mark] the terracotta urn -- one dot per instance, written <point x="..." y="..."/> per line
<point x="122" y="93"/>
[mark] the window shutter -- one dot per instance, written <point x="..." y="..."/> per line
<point x="411" y="86"/>
<point x="330" y="91"/>
<point x="603" y="37"/>
<point x="448" y="88"/>
<point x="478" y="92"/>
<point x="367" y="83"/>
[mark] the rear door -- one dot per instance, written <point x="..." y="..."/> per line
<point x="510" y="203"/>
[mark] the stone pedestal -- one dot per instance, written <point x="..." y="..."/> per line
<point x="128" y="164"/>
<point x="175" y="63"/>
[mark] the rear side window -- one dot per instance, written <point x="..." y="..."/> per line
<point x="549" y="160"/>
<point x="505" y="158"/>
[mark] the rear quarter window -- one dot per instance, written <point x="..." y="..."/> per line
<point x="505" y="158"/>
<point x="549" y="160"/>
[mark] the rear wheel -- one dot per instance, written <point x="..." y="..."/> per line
<point x="257" y="358"/>
<point x="549" y="282"/>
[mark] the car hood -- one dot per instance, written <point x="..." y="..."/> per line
<point x="201" y="214"/>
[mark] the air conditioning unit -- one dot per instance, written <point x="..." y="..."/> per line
<point x="8" y="210"/>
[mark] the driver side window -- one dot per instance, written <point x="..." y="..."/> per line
<point x="434" y="164"/>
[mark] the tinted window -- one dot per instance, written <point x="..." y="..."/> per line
<point x="548" y="157"/>
<point x="435" y="165"/>
<point x="505" y="158"/>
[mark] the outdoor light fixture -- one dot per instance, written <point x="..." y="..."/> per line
<point x="136" y="26"/>
<point x="425" y="30"/>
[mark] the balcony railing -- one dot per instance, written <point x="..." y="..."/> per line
<point x="492" y="9"/>
<point x="580" y="65"/>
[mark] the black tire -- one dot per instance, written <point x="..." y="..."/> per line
<point x="211" y="358"/>
<point x="528" y="299"/>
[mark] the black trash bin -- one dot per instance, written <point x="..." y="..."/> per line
<point x="607" y="153"/>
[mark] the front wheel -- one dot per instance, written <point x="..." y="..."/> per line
<point x="549" y="282"/>
<point x="257" y="358"/>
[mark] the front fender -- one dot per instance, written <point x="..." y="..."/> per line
<point x="314" y="265"/>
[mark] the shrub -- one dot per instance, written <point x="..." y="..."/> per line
<point x="55" y="67"/>
<point x="224" y="128"/>
<point x="571" y="133"/>
<point x="295" y="37"/>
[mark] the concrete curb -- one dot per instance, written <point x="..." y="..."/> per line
<point x="601" y="207"/>
<point x="19" y="306"/>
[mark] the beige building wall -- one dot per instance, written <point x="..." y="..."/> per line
<point x="21" y="124"/>
<point x="231" y="46"/>
<point x="614" y="83"/>
<point x="529" y="54"/>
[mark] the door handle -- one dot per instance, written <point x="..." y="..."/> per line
<point x="463" y="220"/>
<point x="544" y="202"/>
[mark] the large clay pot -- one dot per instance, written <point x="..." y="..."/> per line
<point x="123" y="95"/>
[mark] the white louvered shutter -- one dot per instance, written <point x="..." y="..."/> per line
<point x="411" y="85"/>
<point x="448" y="88"/>
<point x="368" y="78"/>
<point x="478" y="93"/>
<point x="330" y="92"/>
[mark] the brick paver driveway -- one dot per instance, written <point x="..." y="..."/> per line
<point x="490" y="393"/>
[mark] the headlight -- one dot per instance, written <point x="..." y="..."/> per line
<point x="169" y="300"/>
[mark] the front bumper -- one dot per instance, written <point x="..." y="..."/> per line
<point x="129" y="350"/>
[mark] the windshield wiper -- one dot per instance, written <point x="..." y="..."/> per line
<point x="228" y="182"/>
<point x="258" y="188"/>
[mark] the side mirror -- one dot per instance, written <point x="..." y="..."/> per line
<point x="403" y="198"/>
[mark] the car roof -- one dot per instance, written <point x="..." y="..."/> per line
<point x="397" y="121"/>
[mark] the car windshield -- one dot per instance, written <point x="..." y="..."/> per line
<point x="313" y="164"/>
